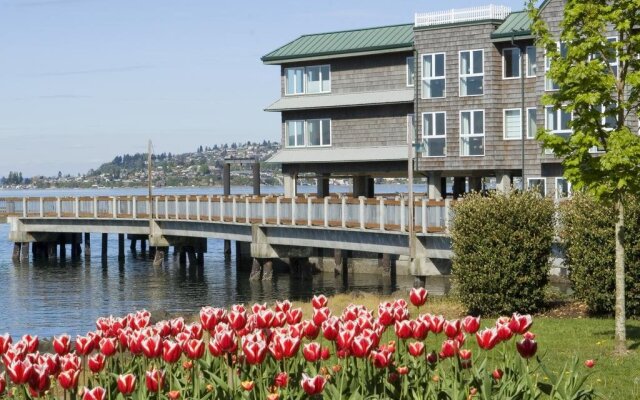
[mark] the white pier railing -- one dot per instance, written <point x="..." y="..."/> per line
<point x="488" y="12"/>
<point x="381" y="213"/>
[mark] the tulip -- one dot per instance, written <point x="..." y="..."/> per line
<point x="385" y="316"/>
<point x="403" y="370"/>
<point x="312" y="351"/>
<point x="416" y="348"/>
<point x="464" y="354"/>
<point x="237" y="319"/>
<point x="126" y="384"/>
<point x="5" y="342"/>
<point x="194" y="349"/>
<point x="177" y="325"/>
<point x="164" y="328"/>
<point x="504" y="333"/>
<point x="345" y="338"/>
<point x="69" y="379"/>
<point x="3" y="383"/>
<point x="264" y="319"/>
<point x="520" y="323"/>
<point x="152" y="346"/>
<point x="361" y="346"/>
<point x="173" y="395"/>
<point x="471" y="324"/>
<point x="313" y="386"/>
<point x="247" y="385"/>
<point x="449" y="348"/>
<point x="400" y="313"/>
<point x="310" y="330"/>
<point x="154" y="380"/>
<point x="62" y="344"/>
<point x="497" y="374"/>
<point x="527" y="347"/>
<point x="325" y="353"/>
<point x="487" y="339"/>
<point x="319" y="301"/>
<point x="84" y="345"/>
<point x="281" y="380"/>
<point x="31" y="342"/>
<point x="69" y="361"/>
<point x="96" y="362"/>
<point x="208" y="318"/>
<point x="587" y="363"/>
<point x="381" y="359"/>
<point x="419" y="329"/>
<point x="226" y="340"/>
<point x="432" y="357"/>
<point x="19" y="371"/>
<point x="254" y="352"/>
<point x="171" y="351"/>
<point x="451" y="328"/>
<point x="418" y="296"/>
<point x="294" y="316"/>
<point x="320" y="315"/>
<point x="97" y="393"/>
<point x="330" y="328"/>
<point x="436" y="323"/>
<point x="290" y="345"/>
<point x="108" y="346"/>
<point x="403" y="329"/>
<point x="283" y="306"/>
<point x="39" y="380"/>
<point x="52" y="362"/>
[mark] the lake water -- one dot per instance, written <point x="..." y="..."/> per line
<point x="55" y="297"/>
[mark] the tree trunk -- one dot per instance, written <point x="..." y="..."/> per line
<point x="620" y="330"/>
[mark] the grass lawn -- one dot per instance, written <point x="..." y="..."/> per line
<point x="559" y="339"/>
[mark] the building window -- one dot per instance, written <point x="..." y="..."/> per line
<point x="557" y="122"/>
<point x="319" y="131"/>
<point x="532" y="124"/>
<point x="511" y="63"/>
<point x="314" y="79"/>
<point x="434" y="133"/>
<point x="411" y="71"/>
<point x="532" y="61"/>
<point x="512" y="124"/>
<point x="472" y="73"/>
<point x="472" y="133"/>
<point x="433" y="79"/>
<point x="537" y="184"/>
<point x="563" y="188"/>
<point x="295" y="80"/>
<point x="549" y="84"/>
<point x="295" y="133"/>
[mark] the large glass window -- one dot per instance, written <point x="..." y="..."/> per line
<point x="532" y="62"/>
<point x="434" y="133"/>
<point x="411" y="71"/>
<point x="549" y="83"/>
<point x="511" y="63"/>
<point x="512" y="124"/>
<point x="557" y="122"/>
<point x="295" y="80"/>
<point x="532" y="124"/>
<point x="295" y="133"/>
<point x="433" y="78"/>
<point x="472" y="133"/>
<point x="318" y="79"/>
<point x="563" y="188"/>
<point x="319" y="131"/>
<point x="471" y="73"/>
<point x="537" y="184"/>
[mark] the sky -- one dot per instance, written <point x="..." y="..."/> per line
<point x="82" y="81"/>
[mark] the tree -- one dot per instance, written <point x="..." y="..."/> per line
<point x="598" y="80"/>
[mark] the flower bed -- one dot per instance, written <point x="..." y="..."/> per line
<point x="277" y="353"/>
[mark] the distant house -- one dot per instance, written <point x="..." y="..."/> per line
<point x="473" y="77"/>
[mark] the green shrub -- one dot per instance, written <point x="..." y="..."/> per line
<point x="501" y="246"/>
<point x="588" y="233"/>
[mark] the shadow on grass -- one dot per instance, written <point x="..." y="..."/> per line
<point x="633" y="335"/>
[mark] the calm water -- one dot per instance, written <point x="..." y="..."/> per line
<point x="66" y="297"/>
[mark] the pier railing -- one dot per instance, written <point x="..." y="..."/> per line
<point x="381" y="213"/>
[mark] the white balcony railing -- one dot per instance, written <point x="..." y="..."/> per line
<point x="489" y="12"/>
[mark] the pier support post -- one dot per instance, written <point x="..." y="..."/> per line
<point x="132" y="246"/>
<point x="105" y="245"/>
<point x="87" y="245"/>
<point x="340" y="262"/>
<point x="200" y="257"/>
<point x="63" y="247"/>
<point x="182" y="257"/>
<point x="16" y="251"/>
<point x="267" y="270"/>
<point x="227" y="247"/>
<point x="158" y="259"/>
<point x="24" y="252"/>
<point x="75" y="245"/>
<point x="256" y="270"/>
<point x="52" y="250"/>
<point x="385" y="264"/>
<point x="143" y="246"/>
<point x="121" y="246"/>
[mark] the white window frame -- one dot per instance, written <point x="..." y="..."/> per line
<point x="547" y="67"/>
<point x="308" y="139"/>
<point x="471" y="75"/>
<point x="425" y="137"/>
<point x="569" y="190"/>
<point x="504" y="124"/>
<point x="410" y="64"/>
<point x="306" y="78"/>
<point x="528" y="66"/>
<point x="538" y="178"/>
<point x="286" y="81"/>
<point x="504" y="63"/>
<point x="304" y="133"/>
<point x="471" y="124"/>
<point x="555" y="131"/>
<point x="531" y="135"/>
<point x="434" y="77"/>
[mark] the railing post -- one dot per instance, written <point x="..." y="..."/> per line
<point x="447" y="209"/>
<point x="95" y="207"/>
<point x="221" y="208"/>
<point x="166" y="207"/>
<point x="403" y="228"/>
<point x="134" y="207"/>
<point x="344" y="211"/>
<point x="41" y="207"/>
<point x="425" y="216"/>
<point x="186" y="207"/>
<point x="24" y="207"/>
<point x="309" y="211"/>
<point x="293" y="210"/>
<point x="77" y="206"/>
<point x="326" y="211"/>
<point x="247" y="210"/>
<point x="264" y="211"/>
<point x="209" y="208"/>
<point x="278" y="210"/>
<point x="381" y="213"/>
<point x="177" y="207"/>
<point x="234" y="209"/>
<point x="198" y="207"/>
<point x="361" y="209"/>
<point x="156" y="201"/>
<point x="115" y="207"/>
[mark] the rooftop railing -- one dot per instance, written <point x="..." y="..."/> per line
<point x="489" y="12"/>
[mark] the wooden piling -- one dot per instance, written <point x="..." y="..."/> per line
<point x="87" y="245"/>
<point x="105" y="245"/>
<point x="121" y="246"/>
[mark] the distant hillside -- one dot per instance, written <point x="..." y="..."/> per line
<point x="202" y="167"/>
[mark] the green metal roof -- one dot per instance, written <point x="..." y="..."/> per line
<point x="516" y="24"/>
<point x="344" y="42"/>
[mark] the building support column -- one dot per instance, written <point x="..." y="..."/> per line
<point x="503" y="181"/>
<point x="475" y="184"/>
<point x="385" y="264"/>
<point x="340" y="261"/>
<point x="458" y="187"/>
<point x="182" y="256"/>
<point x="24" y="252"/>
<point x="290" y="185"/>
<point x="322" y="185"/>
<point x="256" y="270"/>
<point x="87" y="245"/>
<point x="105" y="245"/>
<point x="267" y="270"/>
<point x="16" y="251"/>
<point x="52" y="250"/>
<point x="121" y="246"/>
<point x="435" y="186"/>
<point x="63" y="247"/>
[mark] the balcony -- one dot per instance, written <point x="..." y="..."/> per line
<point x="454" y="16"/>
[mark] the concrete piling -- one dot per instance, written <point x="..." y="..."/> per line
<point x="267" y="271"/>
<point x="158" y="258"/>
<point x="256" y="270"/>
<point x="16" y="251"/>
<point x="385" y="264"/>
<point x="52" y="250"/>
<point x="24" y="252"/>
<point x="87" y="245"/>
